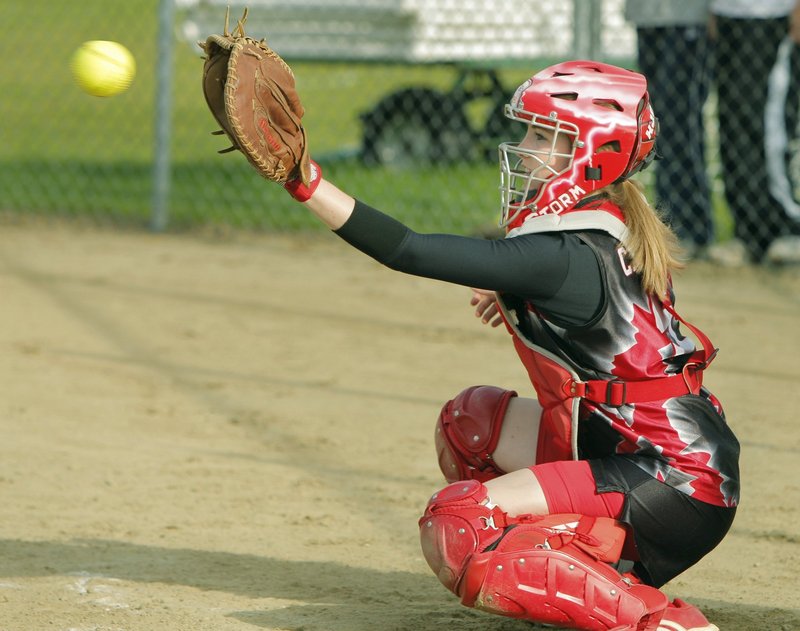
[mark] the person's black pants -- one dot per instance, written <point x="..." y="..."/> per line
<point x="677" y="64"/>
<point x="757" y="116"/>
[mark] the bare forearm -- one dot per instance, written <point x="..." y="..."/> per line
<point x="331" y="205"/>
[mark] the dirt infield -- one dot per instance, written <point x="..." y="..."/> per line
<point x="210" y="435"/>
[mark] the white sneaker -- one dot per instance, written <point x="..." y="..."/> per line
<point x="732" y="253"/>
<point x="681" y="616"/>
<point x="784" y="251"/>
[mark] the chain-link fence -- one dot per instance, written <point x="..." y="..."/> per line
<point x="403" y="102"/>
<point x="725" y="88"/>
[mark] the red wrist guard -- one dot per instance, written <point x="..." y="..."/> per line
<point x="302" y="192"/>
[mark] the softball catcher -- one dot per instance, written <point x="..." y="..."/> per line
<point x="571" y="507"/>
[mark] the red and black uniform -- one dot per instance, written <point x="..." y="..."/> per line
<point x="680" y="440"/>
<point x="575" y="295"/>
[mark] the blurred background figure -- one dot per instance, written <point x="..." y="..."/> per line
<point x="756" y="72"/>
<point x="674" y="54"/>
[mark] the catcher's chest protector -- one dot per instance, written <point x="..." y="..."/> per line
<point x="641" y="367"/>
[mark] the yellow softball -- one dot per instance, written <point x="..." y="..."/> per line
<point x="103" y="68"/>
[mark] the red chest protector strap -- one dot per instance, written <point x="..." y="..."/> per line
<point x="617" y="392"/>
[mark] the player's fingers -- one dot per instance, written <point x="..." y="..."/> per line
<point x="481" y="305"/>
<point x="478" y="295"/>
<point x="489" y="312"/>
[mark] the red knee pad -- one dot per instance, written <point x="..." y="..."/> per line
<point x="458" y="522"/>
<point x="467" y="432"/>
<point x="556" y="571"/>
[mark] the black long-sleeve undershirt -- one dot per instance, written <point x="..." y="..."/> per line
<point x="556" y="271"/>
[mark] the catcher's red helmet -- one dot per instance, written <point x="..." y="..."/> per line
<point x="603" y="110"/>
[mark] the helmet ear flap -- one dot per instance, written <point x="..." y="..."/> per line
<point x="647" y="131"/>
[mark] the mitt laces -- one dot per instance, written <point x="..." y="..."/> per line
<point x="239" y="30"/>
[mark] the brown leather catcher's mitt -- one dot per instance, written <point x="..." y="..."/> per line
<point x="251" y="92"/>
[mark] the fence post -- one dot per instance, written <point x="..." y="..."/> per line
<point x="586" y="27"/>
<point x="163" y="116"/>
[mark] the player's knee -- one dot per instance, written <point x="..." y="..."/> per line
<point x="467" y="432"/>
<point x="458" y="521"/>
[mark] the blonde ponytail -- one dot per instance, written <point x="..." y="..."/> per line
<point x="652" y="246"/>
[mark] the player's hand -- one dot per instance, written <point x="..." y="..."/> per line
<point x="485" y="303"/>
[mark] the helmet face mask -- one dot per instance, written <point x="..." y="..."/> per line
<point x="604" y="113"/>
<point x="524" y="171"/>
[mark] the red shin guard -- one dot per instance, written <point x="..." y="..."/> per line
<point x="552" y="569"/>
<point x="524" y="577"/>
